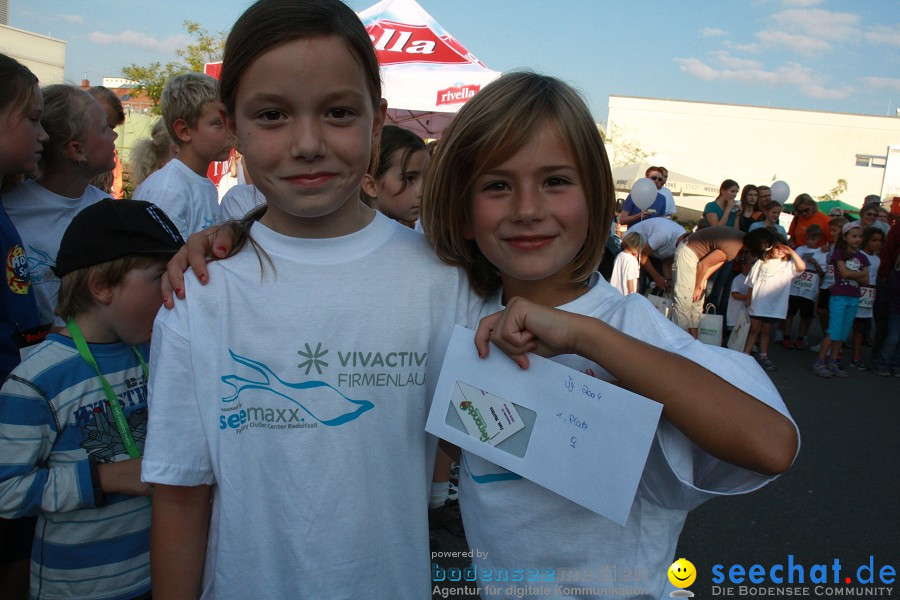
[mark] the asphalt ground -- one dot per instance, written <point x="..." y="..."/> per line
<point x="840" y="500"/>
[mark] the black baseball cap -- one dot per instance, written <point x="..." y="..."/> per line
<point x="111" y="229"/>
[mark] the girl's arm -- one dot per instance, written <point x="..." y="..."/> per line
<point x="718" y="417"/>
<point x="213" y="243"/>
<point x="748" y="297"/>
<point x="632" y="286"/>
<point x="178" y="535"/>
<point x="799" y="263"/>
<point x="708" y="265"/>
<point x="861" y="276"/>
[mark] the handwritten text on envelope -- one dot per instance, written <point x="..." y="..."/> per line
<point x="575" y="435"/>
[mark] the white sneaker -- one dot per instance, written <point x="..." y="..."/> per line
<point x="778" y="335"/>
<point x="816" y="348"/>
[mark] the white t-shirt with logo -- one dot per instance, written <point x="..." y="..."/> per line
<point x="303" y="394"/>
<point x="190" y="200"/>
<point x="41" y="218"/>
<point x="514" y="524"/>
<point x="867" y="292"/>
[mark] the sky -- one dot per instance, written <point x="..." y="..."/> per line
<point x="841" y="56"/>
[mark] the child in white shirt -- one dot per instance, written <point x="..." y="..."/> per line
<point x="627" y="268"/>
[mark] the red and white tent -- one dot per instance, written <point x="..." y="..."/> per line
<point x="427" y="75"/>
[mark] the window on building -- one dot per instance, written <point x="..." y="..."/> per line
<point x="871" y="160"/>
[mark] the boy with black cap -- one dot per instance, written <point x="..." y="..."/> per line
<point x="73" y="414"/>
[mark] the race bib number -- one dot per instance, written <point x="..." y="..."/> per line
<point x="804" y="285"/>
<point x="866" y="296"/>
<point x="829" y="276"/>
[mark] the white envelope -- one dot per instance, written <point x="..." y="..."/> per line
<point x="581" y="437"/>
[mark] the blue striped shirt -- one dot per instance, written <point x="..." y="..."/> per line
<point x="53" y="416"/>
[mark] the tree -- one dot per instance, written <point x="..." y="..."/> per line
<point x="834" y="192"/>
<point x="625" y="151"/>
<point x="205" y="47"/>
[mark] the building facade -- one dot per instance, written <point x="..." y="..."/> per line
<point x="810" y="150"/>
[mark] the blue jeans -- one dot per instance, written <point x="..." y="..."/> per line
<point x="889" y="354"/>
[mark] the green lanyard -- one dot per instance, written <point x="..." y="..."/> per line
<point x="114" y="406"/>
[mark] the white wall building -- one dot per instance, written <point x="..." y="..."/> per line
<point x="809" y="150"/>
<point x="45" y="56"/>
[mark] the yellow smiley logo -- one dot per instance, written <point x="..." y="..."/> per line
<point x="682" y="573"/>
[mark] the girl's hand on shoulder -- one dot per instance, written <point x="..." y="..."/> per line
<point x="204" y="246"/>
<point x="527" y="327"/>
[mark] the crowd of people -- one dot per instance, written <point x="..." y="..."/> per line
<point x="740" y="259"/>
<point x="270" y="478"/>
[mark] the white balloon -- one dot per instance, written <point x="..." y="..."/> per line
<point x="781" y="191"/>
<point x="643" y="193"/>
<point x="670" y="201"/>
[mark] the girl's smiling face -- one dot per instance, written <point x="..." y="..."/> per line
<point x="773" y="213"/>
<point x="529" y="217"/>
<point x="305" y="122"/>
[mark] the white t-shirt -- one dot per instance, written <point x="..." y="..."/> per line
<point x="239" y="200"/>
<point x="867" y="292"/>
<point x="806" y="285"/>
<point x="771" y="283"/>
<point x="514" y="523"/>
<point x="661" y="235"/>
<point x="41" y="218"/>
<point x="190" y="200"/>
<point x="303" y="396"/>
<point x="625" y="268"/>
<point x="735" y="306"/>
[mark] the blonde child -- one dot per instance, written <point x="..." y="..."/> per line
<point x="805" y="288"/>
<point x="394" y="187"/>
<point x="627" y="269"/>
<point x="73" y="415"/>
<point x="769" y="284"/>
<point x="850" y="272"/>
<point x="871" y="249"/>
<point x="519" y="193"/>
<point x="190" y="110"/>
<point x="310" y="445"/>
<point x="151" y="154"/>
<point x="81" y="146"/>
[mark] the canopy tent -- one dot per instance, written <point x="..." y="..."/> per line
<point x="427" y="75"/>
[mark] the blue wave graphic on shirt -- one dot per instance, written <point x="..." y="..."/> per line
<point x="490" y="477"/>
<point x="331" y="408"/>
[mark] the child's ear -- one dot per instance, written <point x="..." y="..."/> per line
<point x="100" y="289"/>
<point x="369" y="186"/>
<point x="75" y="151"/>
<point x="182" y="130"/>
